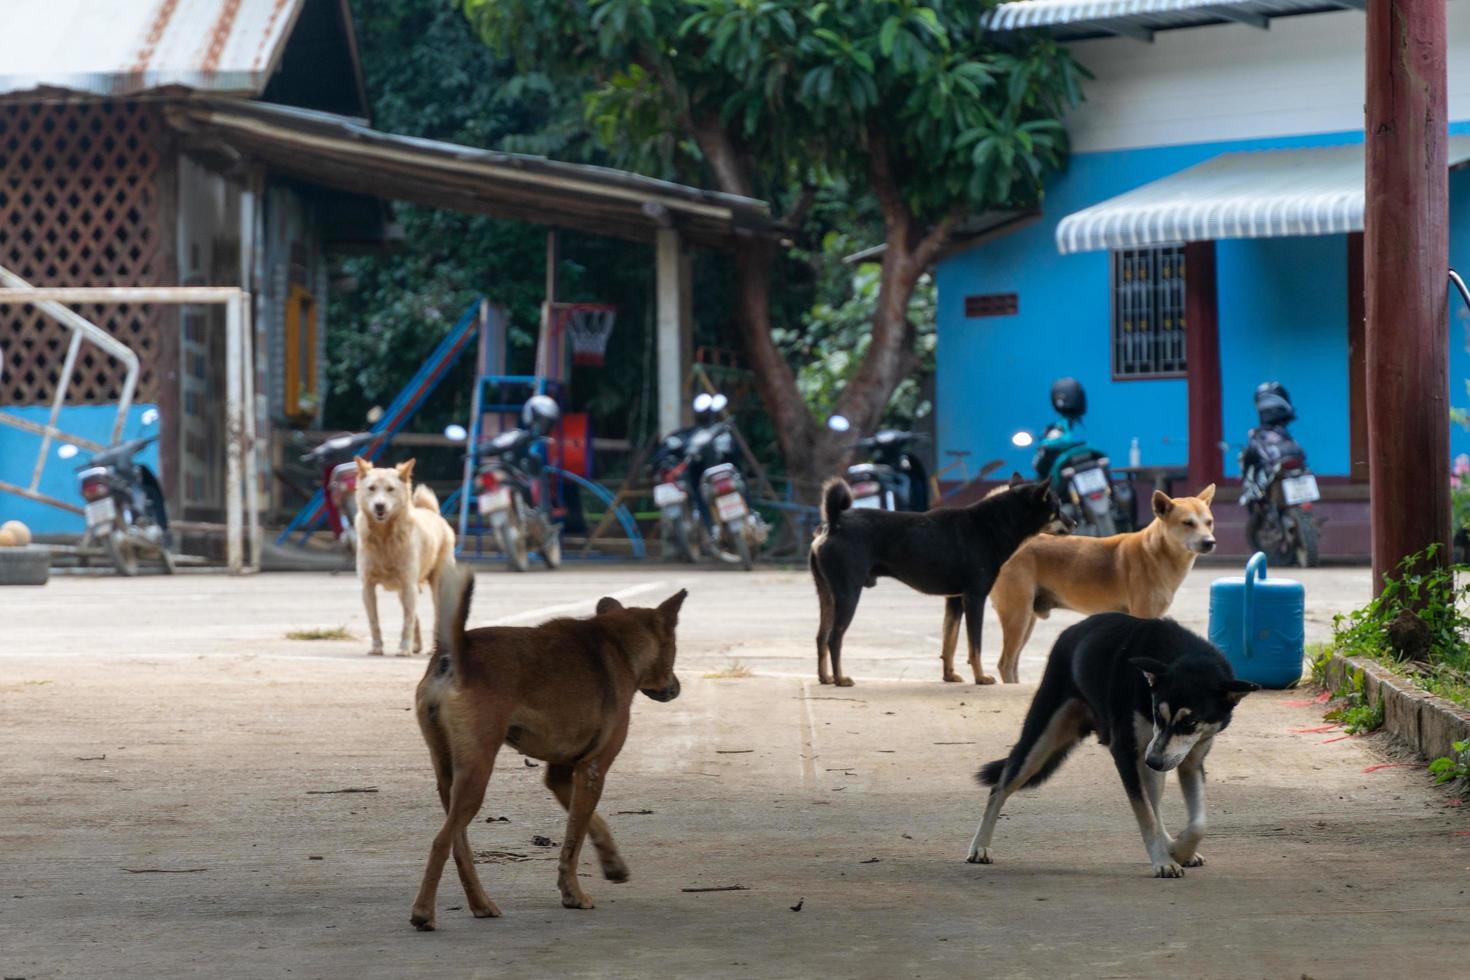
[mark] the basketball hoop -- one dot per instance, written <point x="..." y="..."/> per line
<point x="588" y="325"/>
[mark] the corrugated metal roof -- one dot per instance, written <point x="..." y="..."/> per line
<point x="345" y="154"/>
<point x="1077" y="19"/>
<point x="131" y="47"/>
<point x="1254" y="194"/>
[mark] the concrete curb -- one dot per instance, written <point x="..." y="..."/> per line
<point x="1425" y="721"/>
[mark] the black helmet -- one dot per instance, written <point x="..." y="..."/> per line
<point x="1273" y="404"/>
<point x="540" y="413"/>
<point x="1068" y="398"/>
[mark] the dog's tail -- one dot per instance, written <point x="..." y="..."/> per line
<point x="456" y="587"/>
<point x="836" y="498"/>
<point x="425" y="498"/>
<point x="991" y="772"/>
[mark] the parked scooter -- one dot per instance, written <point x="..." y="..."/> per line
<point x="1277" y="489"/>
<point x="125" y="509"/>
<point x="894" y="477"/>
<point x="334" y="457"/>
<point x="1080" y="474"/>
<point x="700" y="492"/>
<point x="515" y="495"/>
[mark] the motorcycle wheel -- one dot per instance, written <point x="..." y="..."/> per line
<point x="1265" y="538"/>
<point x="1306" y="539"/>
<point x="122" y="551"/>
<point x="683" y="540"/>
<point x="1104" y="526"/>
<point x="551" y="547"/>
<point x="736" y="530"/>
<point x="512" y="544"/>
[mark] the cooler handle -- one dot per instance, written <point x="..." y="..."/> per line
<point x="1254" y="569"/>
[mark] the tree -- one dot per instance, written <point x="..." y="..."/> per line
<point x="909" y="101"/>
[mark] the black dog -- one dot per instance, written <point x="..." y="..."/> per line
<point x="1156" y="712"/>
<point x="953" y="552"/>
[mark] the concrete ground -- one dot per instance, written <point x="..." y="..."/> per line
<point x="168" y="809"/>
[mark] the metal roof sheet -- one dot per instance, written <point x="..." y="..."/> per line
<point x="346" y="154"/>
<point x="132" y="47"/>
<point x="1252" y="194"/>
<point x="1077" y="19"/>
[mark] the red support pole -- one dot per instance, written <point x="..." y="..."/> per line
<point x="1406" y="259"/>
<point x="1202" y="360"/>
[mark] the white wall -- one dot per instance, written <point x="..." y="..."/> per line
<point x="1232" y="82"/>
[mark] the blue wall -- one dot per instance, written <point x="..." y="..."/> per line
<point x="1283" y="316"/>
<point x="58" y="479"/>
<point x="1459" y="315"/>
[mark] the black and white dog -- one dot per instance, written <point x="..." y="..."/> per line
<point x="1155" y="693"/>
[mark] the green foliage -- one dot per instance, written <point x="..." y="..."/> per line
<point x="1433" y="597"/>
<point x="836" y="331"/>
<point x="805" y="88"/>
<point x="1452" y="769"/>
<point x="1357" y="714"/>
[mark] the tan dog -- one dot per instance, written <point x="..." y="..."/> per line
<point x="402" y="542"/>
<point x="561" y="692"/>
<point x="1136" y="573"/>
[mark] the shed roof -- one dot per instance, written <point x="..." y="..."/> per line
<point x="219" y="47"/>
<point x="1254" y="194"/>
<point x="346" y="154"/>
<point x="1072" y="20"/>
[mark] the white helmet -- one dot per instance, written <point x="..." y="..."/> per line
<point x="540" y="413"/>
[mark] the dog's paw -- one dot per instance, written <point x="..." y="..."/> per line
<point x="981" y="856"/>
<point x="985" y="679"/>
<point x="844" y="682"/>
<point x="824" y="679"/>
<point x="1168" y="870"/>
<point x="1195" y="860"/>
<point x="950" y="677"/>
<point x="405" y="652"/>
<point x="577" y="900"/>
<point x="487" y="911"/>
<point x="422" y="921"/>
<point x="375" y="652"/>
<point x="615" y="870"/>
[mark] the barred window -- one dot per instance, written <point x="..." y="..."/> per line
<point x="1148" y="312"/>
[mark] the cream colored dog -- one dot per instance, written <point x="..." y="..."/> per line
<point x="1136" y="573"/>
<point x="402" y="543"/>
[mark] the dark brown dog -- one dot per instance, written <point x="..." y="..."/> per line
<point x="561" y="692"/>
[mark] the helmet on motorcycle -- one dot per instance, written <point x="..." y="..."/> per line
<point x="540" y="413"/>
<point x="1068" y="398"/>
<point x="1273" y="404"/>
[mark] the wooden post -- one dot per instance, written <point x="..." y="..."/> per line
<point x="1406" y="268"/>
<point x="1202" y="360"/>
<point x="670" y="283"/>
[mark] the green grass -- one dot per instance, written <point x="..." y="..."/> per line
<point x="328" y="633"/>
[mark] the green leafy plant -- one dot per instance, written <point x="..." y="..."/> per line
<point x="1451" y="769"/>
<point x="1358" y="714"/>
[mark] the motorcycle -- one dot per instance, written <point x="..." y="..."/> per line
<point x="515" y="495"/>
<point x="1277" y="489"/>
<point x="334" y="457"/>
<point x="894" y="478"/>
<point x="1080" y="475"/>
<point x="697" y="463"/>
<point x="125" y="510"/>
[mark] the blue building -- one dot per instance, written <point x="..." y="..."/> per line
<point x="1210" y="220"/>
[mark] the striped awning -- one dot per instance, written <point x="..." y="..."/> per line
<point x="1254" y="194"/>
<point x="1076" y="19"/>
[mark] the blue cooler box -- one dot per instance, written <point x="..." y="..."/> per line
<point x="1259" y="624"/>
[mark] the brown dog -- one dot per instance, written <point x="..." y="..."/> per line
<point x="561" y="692"/>
<point x="1136" y="573"/>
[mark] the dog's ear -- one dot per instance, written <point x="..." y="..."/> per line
<point x="608" y="604"/>
<point x="1207" y="494"/>
<point x="1235" y="690"/>
<point x="1162" y="503"/>
<point x="669" y="608"/>
<point x="1152" y="669"/>
<point x="1016" y="479"/>
<point x="405" y="469"/>
<point x="363" y="466"/>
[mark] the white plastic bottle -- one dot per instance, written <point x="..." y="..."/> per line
<point x="1134" y="456"/>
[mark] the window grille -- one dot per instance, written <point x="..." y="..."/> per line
<point x="1148" y="312"/>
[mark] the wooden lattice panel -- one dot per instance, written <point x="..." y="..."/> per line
<point x="79" y="206"/>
